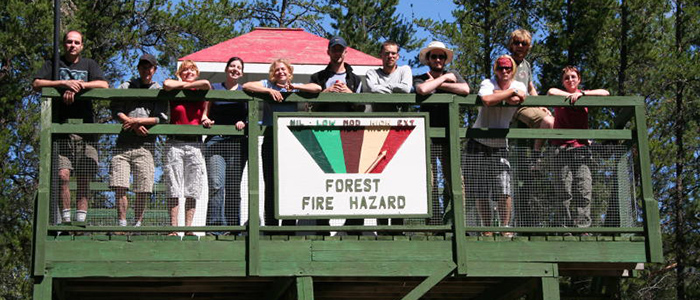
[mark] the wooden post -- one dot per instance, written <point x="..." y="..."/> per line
<point x="649" y="205"/>
<point x="42" y="288"/>
<point x="550" y="288"/>
<point x="305" y="288"/>
<point x="253" y="254"/>
<point x="456" y="185"/>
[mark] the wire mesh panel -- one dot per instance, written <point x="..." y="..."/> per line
<point x="589" y="186"/>
<point x="102" y="184"/>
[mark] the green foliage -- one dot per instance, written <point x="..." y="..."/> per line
<point x="365" y="25"/>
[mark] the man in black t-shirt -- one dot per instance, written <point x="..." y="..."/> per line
<point x="75" y="75"/>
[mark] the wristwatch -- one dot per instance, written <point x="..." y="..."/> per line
<point x="515" y="91"/>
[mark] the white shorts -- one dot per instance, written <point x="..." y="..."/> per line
<point x="185" y="170"/>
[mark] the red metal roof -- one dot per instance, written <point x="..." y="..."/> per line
<point x="263" y="45"/>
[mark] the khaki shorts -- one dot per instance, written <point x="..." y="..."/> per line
<point x="140" y="161"/>
<point x="531" y="116"/>
<point x="74" y="152"/>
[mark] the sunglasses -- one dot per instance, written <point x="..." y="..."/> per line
<point x="521" y="43"/>
<point x="440" y="56"/>
<point x="504" y="68"/>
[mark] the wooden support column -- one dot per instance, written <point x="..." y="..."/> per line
<point x="42" y="288"/>
<point x="649" y="204"/>
<point x="456" y="186"/>
<point x="429" y="283"/>
<point x="253" y="244"/>
<point x="550" y="288"/>
<point x="305" y="288"/>
<point x="43" y="200"/>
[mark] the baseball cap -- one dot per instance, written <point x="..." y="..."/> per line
<point x="148" y="58"/>
<point x="336" y="40"/>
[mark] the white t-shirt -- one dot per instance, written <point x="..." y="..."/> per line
<point x="495" y="116"/>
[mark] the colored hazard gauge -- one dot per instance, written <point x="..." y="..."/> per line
<point x="368" y="166"/>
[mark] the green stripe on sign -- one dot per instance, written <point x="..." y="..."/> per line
<point x="329" y="139"/>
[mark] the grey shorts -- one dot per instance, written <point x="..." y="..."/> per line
<point x="185" y="169"/>
<point x="137" y="160"/>
<point x="487" y="171"/>
<point x="76" y="154"/>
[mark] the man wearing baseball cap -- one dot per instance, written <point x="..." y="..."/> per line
<point x="133" y="152"/>
<point x="337" y="77"/>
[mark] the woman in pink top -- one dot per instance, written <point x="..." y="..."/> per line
<point x="574" y="155"/>
<point x="185" y="167"/>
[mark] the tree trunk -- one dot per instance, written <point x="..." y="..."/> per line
<point x="678" y="207"/>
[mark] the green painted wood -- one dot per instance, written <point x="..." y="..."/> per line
<point x="42" y="288"/>
<point x="392" y="228"/>
<point x="649" y="204"/>
<point x="556" y="251"/>
<point x="429" y="282"/>
<point x="550" y="288"/>
<point x="350" y="269"/>
<point x="278" y="289"/>
<point x="554" y="101"/>
<point x="305" y="288"/>
<point x="528" y="133"/>
<point x="143" y="228"/>
<point x="120" y="269"/>
<point x="511" y="269"/>
<point x="556" y="229"/>
<point x="131" y="94"/>
<point x="254" y="131"/>
<point x="41" y="208"/>
<point x="456" y="192"/>
<point x="144" y="251"/>
<point x="156" y="129"/>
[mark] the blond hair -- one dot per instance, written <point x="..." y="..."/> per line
<point x="286" y="64"/>
<point x="186" y="65"/>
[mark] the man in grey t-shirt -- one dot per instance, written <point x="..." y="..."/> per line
<point x="390" y="78"/>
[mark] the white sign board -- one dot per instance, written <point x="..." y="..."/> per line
<point x="346" y="167"/>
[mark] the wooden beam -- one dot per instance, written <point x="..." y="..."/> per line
<point x="42" y="287"/>
<point x="305" y="288"/>
<point x="550" y="288"/>
<point x="429" y="282"/>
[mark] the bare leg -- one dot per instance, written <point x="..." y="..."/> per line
<point x="189" y="211"/>
<point x="505" y="210"/>
<point x="547" y="123"/>
<point x="82" y="194"/>
<point x="482" y="205"/>
<point x="174" y="210"/>
<point x="140" y="206"/>
<point x="122" y="202"/>
<point x="64" y="180"/>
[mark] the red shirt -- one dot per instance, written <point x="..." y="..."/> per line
<point x="187" y="113"/>
<point x="570" y="118"/>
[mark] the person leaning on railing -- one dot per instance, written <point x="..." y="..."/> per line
<point x="279" y="81"/>
<point x="185" y="168"/>
<point x="134" y="144"/>
<point x="74" y="151"/>
<point x="226" y="154"/>
<point x="574" y="155"/>
<point x="488" y="170"/>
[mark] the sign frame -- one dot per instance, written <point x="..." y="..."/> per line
<point x="276" y="176"/>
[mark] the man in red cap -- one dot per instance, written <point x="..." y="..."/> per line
<point x="488" y="171"/>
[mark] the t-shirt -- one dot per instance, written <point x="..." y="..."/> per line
<point x="570" y="118"/>
<point x="438" y="112"/>
<point x="227" y="113"/>
<point x="270" y="107"/>
<point x="138" y="109"/>
<point x="187" y="113"/>
<point x="495" y="116"/>
<point x="524" y="74"/>
<point x="84" y="70"/>
<point x="341" y="77"/>
<point x="398" y="81"/>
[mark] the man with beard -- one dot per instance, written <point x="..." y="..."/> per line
<point x="337" y="77"/>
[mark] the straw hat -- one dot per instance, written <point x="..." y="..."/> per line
<point x="422" y="56"/>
